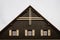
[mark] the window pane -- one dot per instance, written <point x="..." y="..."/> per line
<point x="45" y="33"/>
<point x="14" y="33"/>
<point x="29" y="33"/>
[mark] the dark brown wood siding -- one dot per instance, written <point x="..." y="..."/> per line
<point x="37" y="25"/>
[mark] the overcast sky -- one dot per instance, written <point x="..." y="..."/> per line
<point x="9" y="9"/>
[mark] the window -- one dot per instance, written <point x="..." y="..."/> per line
<point x="29" y="32"/>
<point x="45" y="32"/>
<point x="13" y="32"/>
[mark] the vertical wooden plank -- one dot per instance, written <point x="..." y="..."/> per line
<point x="29" y="16"/>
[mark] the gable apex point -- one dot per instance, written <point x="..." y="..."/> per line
<point x="30" y="6"/>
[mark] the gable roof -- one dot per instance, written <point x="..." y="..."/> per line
<point x="28" y="16"/>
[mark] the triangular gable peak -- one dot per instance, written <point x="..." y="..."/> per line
<point x="29" y="20"/>
<point x="30" y="14"/>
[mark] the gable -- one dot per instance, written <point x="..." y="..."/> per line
<point x="29" y="19"/>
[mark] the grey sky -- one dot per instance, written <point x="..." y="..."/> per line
<point x="9" y="9"/>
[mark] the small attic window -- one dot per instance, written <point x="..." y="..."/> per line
<point x="29" y="32"/>
<point x="45" y="32"/>
<point x="13" y="32"/>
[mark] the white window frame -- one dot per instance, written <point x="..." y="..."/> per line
<point x="45" y="33"/>
<point x="11" y="33"/>
<point x="27" y="33"/>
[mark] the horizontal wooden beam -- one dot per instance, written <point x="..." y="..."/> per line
<point x="32" y="18"/>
